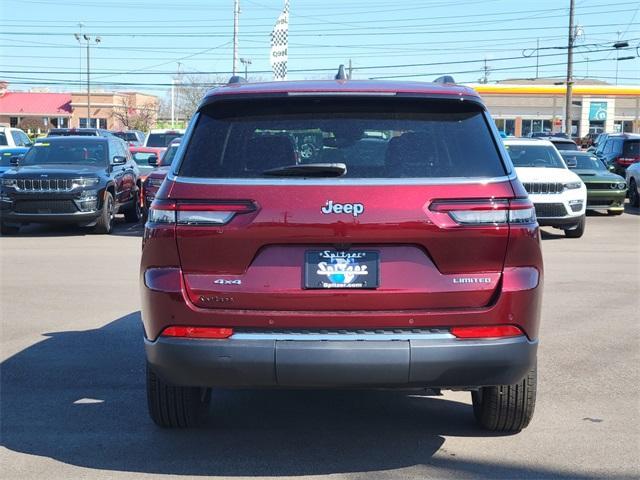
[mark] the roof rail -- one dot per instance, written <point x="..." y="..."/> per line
<point x="236" y="79"/>
<point x="341" y="75"/>
<point x="444" y="79"/>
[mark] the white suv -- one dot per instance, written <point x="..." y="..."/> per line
<point x="559" y="196"/>
<point x="162" y="137"/>
<point x="13" y="137"/>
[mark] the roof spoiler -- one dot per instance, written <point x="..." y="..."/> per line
<point x="444" y="79"/>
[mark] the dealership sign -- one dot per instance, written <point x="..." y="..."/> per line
<point x="598" y="112"/>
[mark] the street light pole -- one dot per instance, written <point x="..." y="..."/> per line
<point x="569" y="96"/>
<point x="87" y="38"/>
<point x="246" y="62"/>
<point x="88" y="86"/>
<point x="173" y="102"/>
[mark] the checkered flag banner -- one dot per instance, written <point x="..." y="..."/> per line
<point x="280" y="44"/>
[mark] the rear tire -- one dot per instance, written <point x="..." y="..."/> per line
<point x="506" y="408"/>
<point x="105" y="220"/>
<point x="634" y="198"/>
<point x="172" y="406"/>
<point x="133" y="214"/>
<point x="8" y="229"/>
<point x="578" y="231"/>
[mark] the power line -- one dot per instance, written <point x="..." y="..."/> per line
<point x="374" y="46"/>
<point x="476" y="70"/>
<point x="307" y="34"/>
<point x="306" y="70"/>
<point x="368" y="23"/>
<point x="195" y="84"/>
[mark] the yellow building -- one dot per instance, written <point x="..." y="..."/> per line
<point x="521" y="107"/>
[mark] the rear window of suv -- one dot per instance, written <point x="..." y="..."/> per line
<point x="379" y="138"/>
<point x="161" y="139"/>
<point x="631" y="148"/>
<point x="127" y="136"/>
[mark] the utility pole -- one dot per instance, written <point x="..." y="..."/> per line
<point x="350" y="70"/>
<point x="569" y="96"/>
<point x="236" y="15"/>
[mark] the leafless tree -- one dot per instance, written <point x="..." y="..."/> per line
<point x="135" y="117"/>
<point x="190" y="90"/>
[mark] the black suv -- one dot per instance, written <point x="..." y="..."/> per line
<point x="83" y="132"/>
<point x="618" y="151"/>
<point x="81" y="180"/>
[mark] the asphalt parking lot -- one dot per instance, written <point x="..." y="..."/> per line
<point x="72" y="397"/>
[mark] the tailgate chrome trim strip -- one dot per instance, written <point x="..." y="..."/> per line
<point x="283" y="336"/>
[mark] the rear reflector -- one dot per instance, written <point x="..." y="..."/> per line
<point x="492" y="331"/>
<point x="163" y="279"/>
<point x="198" y="332"/>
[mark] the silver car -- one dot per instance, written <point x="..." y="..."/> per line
<point x="633" y="182"/>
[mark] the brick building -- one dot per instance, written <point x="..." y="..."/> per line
<point x="50" y="110"/>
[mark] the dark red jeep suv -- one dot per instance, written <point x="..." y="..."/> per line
<point x="342" y="234"/>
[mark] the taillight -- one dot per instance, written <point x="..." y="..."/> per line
<point x="162" y="212"/>
<point x="191" y="213"/>
<point x="485" y="212"/>
<point x="626" y="161"/>
<point x="197" y="332"/>
<point x="490" y="331"/>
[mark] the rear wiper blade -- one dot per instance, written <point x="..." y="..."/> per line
<point x="309" y="170"/>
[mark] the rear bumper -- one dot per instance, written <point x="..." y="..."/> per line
<point x="438" y="362"/>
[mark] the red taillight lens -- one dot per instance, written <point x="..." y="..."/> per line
<point x="492" y="331"/>
<point x="485" y="212"/>
<point x="626" y="161"/>
<point x="198" y="332"/>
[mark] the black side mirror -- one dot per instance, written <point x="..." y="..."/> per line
<point x="153" y="160"/>
<point x="15" y="159"/>
<point x="119" y="160"/>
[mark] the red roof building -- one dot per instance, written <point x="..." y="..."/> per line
<point x="37" y="112"/>
<point x="49" y="109"/>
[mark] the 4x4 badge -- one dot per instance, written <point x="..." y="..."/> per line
<point x="354" y="209"/>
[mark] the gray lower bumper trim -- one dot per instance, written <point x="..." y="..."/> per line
<point x="394" y="363"/>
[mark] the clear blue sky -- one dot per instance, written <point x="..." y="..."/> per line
<point x="143" y="41"/>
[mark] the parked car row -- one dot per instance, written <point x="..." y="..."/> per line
<point x="82" y="179"/>
<point x="546" y="168"/>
